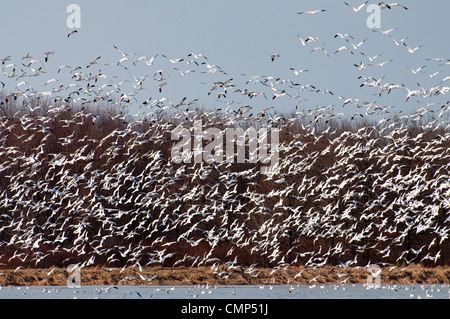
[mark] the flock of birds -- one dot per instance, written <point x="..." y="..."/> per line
<point x="79" y="184"/>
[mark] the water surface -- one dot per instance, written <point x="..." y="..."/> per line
<point x="348" y="291"/>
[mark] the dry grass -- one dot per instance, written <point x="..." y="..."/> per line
<point x="414" y="274"/>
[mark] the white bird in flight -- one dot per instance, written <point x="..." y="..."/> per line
<point x="320" y="49"/>
<point x="308" y="39"/>
<point x="371" y="59"/>
<point x="298" y="72"/>
<point x="357" y="9"/>
<point x="385" y="32"/>
<point x="389" y="5"/>
<point x="343" y="48"/>
<point x="313" y="12"/>
<point x="410" y="50"/>
<point x="416" y="70"/>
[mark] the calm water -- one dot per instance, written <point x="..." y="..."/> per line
<point x="416" y="291"/>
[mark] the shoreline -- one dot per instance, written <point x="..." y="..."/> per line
<point x="166" y="276"/>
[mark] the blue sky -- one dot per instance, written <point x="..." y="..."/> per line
<point x="239" y="37"/>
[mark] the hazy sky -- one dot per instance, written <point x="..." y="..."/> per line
<point x="238" y="36"/>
